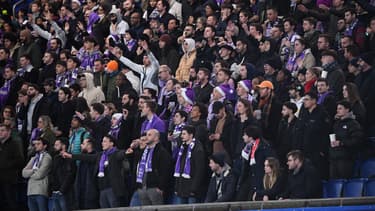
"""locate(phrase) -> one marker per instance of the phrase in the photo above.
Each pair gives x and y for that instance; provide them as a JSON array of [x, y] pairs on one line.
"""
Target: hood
[[116, 11], [191, 45], [89, 80]]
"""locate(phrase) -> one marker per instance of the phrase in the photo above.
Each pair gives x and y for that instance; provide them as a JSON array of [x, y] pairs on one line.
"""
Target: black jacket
[[312, 132], [203, 94], [255, 172], [114, 169], [65, 112], [274, 192], [62, 174], [238, 129], [201, 132], [162, 168], [11, 161], [196, 185], [349, 132], [227, 181], [366, 85], [303, 184], [286, 140]]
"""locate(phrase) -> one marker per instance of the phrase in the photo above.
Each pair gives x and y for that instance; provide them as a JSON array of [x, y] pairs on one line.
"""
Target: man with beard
[[366, 85], [86, 193], [203, 90], [61, 177], [37, 106], [66, 107], [154, 170], [28, 46], [268, 111], [326, 97]]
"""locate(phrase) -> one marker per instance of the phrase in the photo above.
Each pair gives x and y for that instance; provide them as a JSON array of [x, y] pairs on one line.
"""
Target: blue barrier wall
[[341, 208]]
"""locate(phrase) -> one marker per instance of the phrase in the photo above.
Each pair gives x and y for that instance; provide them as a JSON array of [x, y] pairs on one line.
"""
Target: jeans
[[184, 200], [37, 202], [57, 202], [135, 201]]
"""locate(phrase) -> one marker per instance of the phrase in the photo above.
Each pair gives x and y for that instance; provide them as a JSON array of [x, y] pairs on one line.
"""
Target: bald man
[[154, 170]]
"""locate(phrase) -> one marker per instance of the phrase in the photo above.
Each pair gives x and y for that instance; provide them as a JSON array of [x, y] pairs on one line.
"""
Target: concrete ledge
[[247, 205]]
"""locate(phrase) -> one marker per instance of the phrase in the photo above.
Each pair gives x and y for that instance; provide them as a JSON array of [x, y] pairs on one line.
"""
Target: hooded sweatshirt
[[186, 61], [91, 93]]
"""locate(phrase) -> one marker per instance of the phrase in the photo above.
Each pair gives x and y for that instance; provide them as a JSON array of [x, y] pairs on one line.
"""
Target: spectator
[[154, 170], [12, 83], [286, 140], [87, 194], [349, 135], [62, 79], [326, 97], [61, 177], [29, 47], [365, 83], [273, 181], [351, 94], [49, 68], [27, 71], [223, 182], [303, 180], [78, 134], [253, 156], [187, 60], [99, 124], [108, 165], [268, 110], [91, 93], [317, 129], [11, 162], [66, 107], [335, 76], [355, 28], [152, 121], [302, 58], [190, 169], [37, 170], [296, 93]]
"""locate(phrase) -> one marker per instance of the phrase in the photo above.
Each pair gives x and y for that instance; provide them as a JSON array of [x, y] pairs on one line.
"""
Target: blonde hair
[[47, 122], [270, 180]]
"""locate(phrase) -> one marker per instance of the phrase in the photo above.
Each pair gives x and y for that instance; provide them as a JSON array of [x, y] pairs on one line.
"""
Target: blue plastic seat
[[370, 187], [333, 188], [354, 187], [368, 168]]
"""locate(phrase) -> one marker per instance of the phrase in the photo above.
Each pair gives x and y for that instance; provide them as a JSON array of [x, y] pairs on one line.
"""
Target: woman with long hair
[[43, 130], [273, 181], [351, 94]]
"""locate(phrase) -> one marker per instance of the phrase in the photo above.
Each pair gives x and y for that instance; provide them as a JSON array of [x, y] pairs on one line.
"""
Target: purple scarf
[[349, 29], [145, 165], [35, 134], [37, 159], [72, 76], [104, 160], [292, 62], [114, 131], [187, 168], [174, 144], [322, 97], [62, 80], [4, 92]]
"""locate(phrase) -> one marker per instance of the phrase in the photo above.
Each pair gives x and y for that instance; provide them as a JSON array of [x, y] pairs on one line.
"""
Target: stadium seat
[[333, 188], [370, 187], [354, 187], [368, 168]]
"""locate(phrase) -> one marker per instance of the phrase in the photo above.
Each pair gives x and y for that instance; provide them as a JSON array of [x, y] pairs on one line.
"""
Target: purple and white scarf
[[145, 165], [174, 143], [292, 62], [187, 168], [104, 160], [4, 92]]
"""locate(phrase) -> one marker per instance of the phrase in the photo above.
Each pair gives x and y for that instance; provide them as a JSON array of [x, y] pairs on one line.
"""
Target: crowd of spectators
[[126, 103]]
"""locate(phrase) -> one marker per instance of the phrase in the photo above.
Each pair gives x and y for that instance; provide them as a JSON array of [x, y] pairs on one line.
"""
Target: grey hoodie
[[91, 93]]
